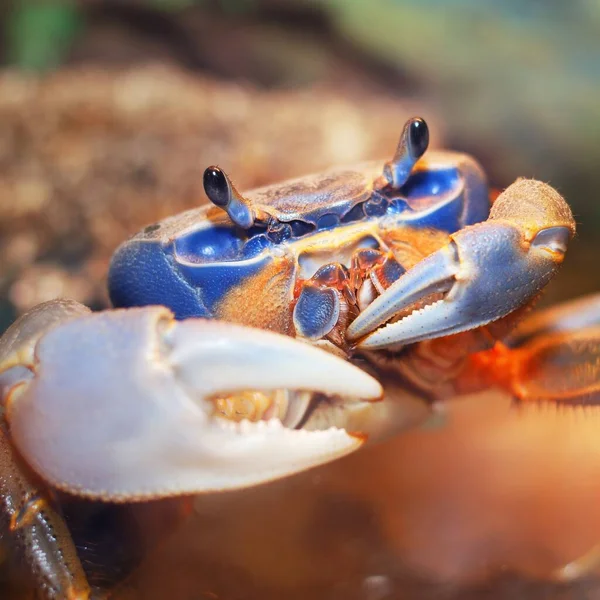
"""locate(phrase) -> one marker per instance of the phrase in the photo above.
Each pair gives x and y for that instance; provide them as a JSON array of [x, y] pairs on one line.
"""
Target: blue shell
[[192, 261]]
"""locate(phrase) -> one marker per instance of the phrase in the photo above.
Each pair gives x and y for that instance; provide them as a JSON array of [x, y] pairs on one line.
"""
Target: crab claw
[[122, 405], [487, 271]]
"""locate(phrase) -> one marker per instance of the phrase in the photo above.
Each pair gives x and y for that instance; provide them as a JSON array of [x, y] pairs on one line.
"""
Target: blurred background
[[109, 112]]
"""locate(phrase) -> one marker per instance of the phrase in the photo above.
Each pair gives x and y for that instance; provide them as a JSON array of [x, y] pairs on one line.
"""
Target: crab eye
[[412, 145], [216, 186], [222, 193], [418, 137]]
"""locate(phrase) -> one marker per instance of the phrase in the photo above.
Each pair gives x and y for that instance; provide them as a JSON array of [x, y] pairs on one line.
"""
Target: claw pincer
[[487, 271], [139, 420], [365, 259]]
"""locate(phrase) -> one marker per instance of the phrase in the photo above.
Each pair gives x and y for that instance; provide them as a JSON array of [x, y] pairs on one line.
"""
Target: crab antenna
[[412, 145], [222, 193]]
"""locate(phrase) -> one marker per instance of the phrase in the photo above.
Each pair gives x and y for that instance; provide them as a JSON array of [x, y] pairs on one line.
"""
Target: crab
[[267, 333]]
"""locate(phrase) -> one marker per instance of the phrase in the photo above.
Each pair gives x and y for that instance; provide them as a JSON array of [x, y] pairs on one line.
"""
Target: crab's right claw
[[487, 271], [124, 405]]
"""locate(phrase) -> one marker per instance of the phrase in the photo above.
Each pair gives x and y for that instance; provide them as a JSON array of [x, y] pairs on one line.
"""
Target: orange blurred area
[[487, 500]]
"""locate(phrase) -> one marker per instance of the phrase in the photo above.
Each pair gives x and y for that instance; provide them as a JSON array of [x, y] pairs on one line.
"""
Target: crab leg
[[554, 356], [487, 271], [38, 532], [120, 405], [567, 317]]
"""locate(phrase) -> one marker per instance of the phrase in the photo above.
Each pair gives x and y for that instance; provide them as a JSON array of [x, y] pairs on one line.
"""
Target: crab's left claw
[[487, 271], [127, 405]]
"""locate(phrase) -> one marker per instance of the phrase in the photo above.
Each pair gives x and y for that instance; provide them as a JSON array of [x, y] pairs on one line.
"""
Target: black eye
[[216, 186], [418, 137]]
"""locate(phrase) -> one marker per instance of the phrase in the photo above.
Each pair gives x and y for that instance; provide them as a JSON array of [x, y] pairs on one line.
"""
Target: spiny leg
[[559, 354], [28, 516], [573, 315], [37, 531], [553, 356]]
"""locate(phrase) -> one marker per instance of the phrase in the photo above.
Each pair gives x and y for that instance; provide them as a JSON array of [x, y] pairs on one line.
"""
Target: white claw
[[118, 406]]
